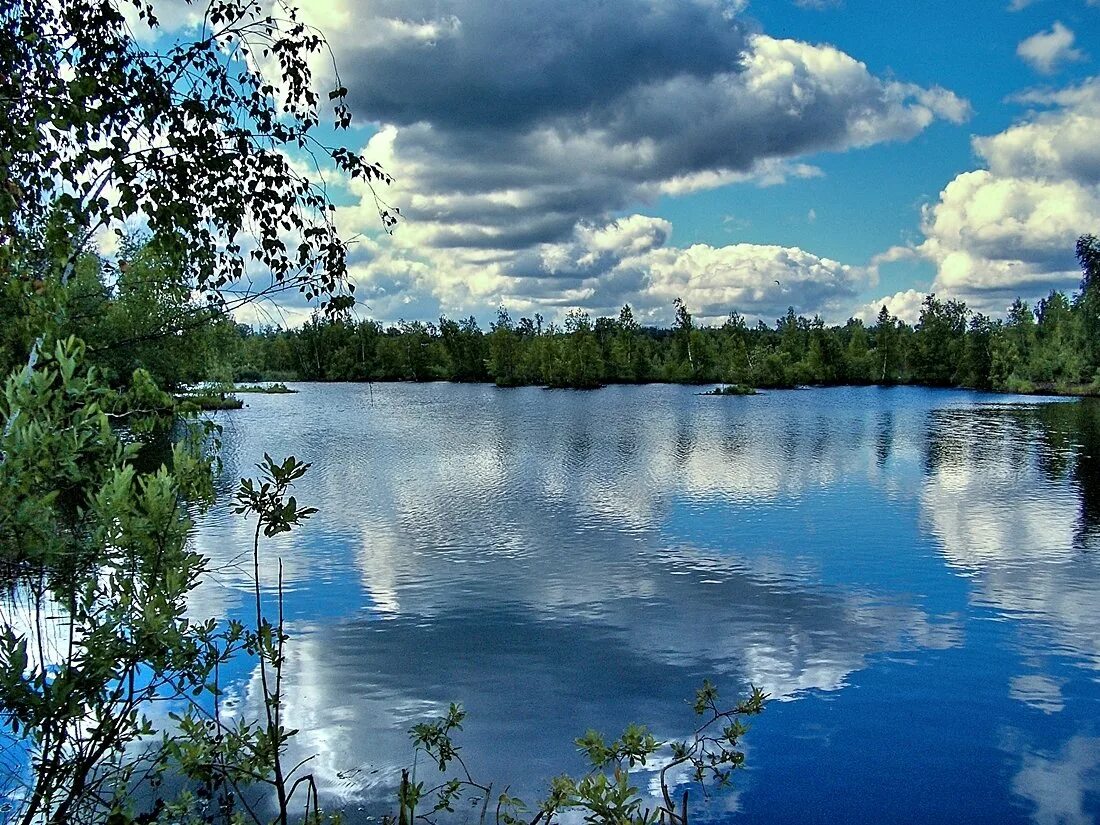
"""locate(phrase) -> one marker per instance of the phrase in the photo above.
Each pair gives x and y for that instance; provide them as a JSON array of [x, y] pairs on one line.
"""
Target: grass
[[209, 401]]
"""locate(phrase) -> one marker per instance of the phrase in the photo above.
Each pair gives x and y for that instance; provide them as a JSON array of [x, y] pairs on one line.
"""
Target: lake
[[912, 574]]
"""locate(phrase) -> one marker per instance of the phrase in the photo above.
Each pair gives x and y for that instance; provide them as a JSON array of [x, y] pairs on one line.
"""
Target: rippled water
[[912, 574]]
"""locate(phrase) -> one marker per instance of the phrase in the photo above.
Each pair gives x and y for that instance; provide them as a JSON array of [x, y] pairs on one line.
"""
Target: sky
[[747, 155]]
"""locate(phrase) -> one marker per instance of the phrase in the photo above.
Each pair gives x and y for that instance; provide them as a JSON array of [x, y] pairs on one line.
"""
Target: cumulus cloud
[[757, 280], [629, 260], [1009, 228], [1046, 51], [530, 175]]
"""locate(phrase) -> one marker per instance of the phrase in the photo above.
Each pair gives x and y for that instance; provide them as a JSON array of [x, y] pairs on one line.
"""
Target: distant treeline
[[1053, 346], [146, 317]]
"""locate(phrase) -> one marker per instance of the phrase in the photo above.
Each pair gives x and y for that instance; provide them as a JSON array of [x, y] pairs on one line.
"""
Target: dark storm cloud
[[508, 181], [480, 65]]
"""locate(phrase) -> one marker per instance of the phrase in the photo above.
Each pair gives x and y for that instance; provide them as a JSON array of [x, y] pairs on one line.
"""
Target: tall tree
[[977, 360], [504, 358], [196, 141], [886, 347], [939, 341], [683, 359], [1088, 300], [626, 349]]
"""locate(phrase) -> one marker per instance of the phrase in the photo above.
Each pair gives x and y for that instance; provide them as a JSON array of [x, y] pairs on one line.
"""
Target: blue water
[[913, 575]]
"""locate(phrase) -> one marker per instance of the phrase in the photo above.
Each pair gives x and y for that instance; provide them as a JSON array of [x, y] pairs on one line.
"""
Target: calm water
[[913, 575]]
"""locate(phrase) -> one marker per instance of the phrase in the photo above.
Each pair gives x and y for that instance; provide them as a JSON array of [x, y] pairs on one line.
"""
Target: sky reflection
[[909, 571]]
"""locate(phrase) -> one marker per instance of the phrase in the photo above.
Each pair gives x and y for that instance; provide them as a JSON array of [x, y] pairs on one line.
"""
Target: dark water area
[[913, 575]]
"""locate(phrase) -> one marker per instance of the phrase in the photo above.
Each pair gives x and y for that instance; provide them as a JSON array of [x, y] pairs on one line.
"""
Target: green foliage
[[1087, 305], [504, 359], [194, 140], [97, 550], [59, 445], [938, 341], [98, 557]]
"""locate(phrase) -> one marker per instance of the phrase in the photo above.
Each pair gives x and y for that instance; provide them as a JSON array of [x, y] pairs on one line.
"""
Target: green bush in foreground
[[602, 795]]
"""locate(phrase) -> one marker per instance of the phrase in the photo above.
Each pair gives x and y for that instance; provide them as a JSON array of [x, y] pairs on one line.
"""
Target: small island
[[277, 388], [732, 389]]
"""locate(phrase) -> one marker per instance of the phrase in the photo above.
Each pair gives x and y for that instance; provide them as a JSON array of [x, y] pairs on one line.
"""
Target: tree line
[[1051, 346], [143, 315]]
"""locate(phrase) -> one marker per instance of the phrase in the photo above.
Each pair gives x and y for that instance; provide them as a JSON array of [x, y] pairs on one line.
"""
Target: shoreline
[[1051, 391]]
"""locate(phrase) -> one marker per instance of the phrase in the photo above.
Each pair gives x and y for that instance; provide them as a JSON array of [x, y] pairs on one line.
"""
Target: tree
[[503, 351], [1010, 346], [196, 143], [977, 361], [627, 355], [152, 321], [1088, 300], [683, 359], [860, 363], [1060, 356], [465, 347], [939, 340], [823, 355], [583, 363], [733, 351], [886, 346]]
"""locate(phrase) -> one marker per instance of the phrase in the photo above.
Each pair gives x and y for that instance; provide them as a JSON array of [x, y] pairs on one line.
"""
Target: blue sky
[[833, 155], [870, 200]]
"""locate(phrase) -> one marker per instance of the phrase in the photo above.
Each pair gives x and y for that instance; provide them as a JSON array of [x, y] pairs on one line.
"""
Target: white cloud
[[1046, 51], [904, 305], [512, 136], [604, 266], [1010, 228], [508, 189], [756, 280]]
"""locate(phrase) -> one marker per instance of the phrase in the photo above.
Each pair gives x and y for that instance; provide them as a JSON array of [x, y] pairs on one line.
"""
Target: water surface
[[911, 574]]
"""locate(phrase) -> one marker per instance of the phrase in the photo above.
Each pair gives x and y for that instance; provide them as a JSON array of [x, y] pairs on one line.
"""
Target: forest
[[146, 318]]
